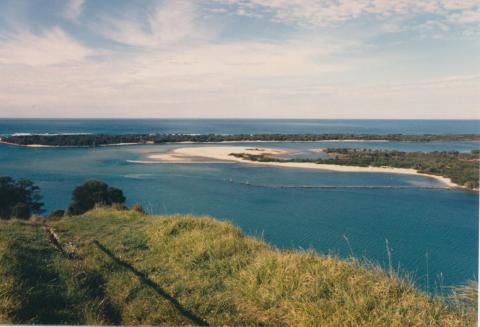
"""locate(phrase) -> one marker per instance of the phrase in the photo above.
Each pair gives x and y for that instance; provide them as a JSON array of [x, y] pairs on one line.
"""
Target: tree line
[[22, 198], [93, 140]]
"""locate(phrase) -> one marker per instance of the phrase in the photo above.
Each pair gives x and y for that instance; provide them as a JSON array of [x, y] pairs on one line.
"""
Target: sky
[[387, 59]]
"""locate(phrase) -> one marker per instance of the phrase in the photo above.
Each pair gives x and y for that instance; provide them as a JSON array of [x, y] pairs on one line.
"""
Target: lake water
[[418, 223]]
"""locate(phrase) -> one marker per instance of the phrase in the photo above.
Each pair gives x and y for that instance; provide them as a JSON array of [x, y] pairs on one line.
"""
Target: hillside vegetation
[[124, 267]]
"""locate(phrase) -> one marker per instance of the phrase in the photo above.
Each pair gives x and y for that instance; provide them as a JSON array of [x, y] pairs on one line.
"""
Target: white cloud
[[170, 22], [431, 25], [236, 79], [52, 47], [177, 68], [73, 9], [466, 17], [326, 13], [460, 4], [181, 83]]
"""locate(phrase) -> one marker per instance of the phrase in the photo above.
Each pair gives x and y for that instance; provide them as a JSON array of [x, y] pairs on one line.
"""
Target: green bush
[[93, 193]]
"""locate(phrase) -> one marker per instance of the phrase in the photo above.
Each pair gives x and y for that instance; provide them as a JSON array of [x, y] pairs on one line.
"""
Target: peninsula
[[93, 140]]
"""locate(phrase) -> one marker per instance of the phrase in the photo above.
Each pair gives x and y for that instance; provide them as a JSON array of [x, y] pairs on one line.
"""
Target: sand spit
[[222, 153], [204, 154]]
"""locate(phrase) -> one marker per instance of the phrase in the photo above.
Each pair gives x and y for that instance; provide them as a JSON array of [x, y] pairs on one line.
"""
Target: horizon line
[[225, 118]]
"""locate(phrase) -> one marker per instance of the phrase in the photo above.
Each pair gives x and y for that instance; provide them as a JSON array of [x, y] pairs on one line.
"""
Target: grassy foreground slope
[[122, 267]]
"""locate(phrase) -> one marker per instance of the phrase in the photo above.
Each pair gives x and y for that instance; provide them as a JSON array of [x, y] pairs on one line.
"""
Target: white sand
[[360, 141], [40, 146], [120, 144], [219, 153], [222, 153]]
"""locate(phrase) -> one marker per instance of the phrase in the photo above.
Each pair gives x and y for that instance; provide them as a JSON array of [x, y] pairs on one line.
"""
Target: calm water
[[225, 126], [416, 222]]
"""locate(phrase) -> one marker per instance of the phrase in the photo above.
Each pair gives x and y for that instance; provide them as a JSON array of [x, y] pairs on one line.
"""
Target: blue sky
[[240, 58]]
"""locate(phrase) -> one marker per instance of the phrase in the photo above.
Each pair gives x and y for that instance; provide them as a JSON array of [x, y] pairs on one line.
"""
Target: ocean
[[237, 126], [433, 227]]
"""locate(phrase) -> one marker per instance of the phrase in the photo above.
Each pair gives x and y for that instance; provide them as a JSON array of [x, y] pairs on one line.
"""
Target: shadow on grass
[[43, 298], [45, 289], [145, 280]]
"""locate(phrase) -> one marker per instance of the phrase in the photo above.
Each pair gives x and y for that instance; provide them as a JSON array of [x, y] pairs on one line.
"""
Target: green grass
[[122, 267]]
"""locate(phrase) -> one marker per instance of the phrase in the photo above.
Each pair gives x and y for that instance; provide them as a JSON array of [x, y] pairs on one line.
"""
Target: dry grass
[[123, 267]]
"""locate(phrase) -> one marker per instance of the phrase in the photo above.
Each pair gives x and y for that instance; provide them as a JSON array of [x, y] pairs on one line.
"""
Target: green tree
[[91, 193], [19, 198], [21, 211]]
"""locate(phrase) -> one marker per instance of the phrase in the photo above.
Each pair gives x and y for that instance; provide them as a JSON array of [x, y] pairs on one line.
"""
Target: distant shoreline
[[190, 142], [94, 140], [69, 146], [43, 146], [214, 142]]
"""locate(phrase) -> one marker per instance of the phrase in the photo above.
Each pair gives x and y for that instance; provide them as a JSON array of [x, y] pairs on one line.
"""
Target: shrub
[[19, 198], [138, 208], [92, 193]]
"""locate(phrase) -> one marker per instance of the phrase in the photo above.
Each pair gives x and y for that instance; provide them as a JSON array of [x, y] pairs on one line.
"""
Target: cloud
[[327, 13], [433, 25], [170, 22], [297, 78], [177, 66], [52, 47], [466, 17], [459, 4], [168, 99], [155, 82], [73, 9]]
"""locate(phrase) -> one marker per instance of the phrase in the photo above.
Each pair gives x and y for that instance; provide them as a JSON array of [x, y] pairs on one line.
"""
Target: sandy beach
[[222, 154], [218, 153]]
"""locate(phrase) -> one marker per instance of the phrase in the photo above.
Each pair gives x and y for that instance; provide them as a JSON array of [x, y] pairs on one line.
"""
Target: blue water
[[229, 126], [416, 221]]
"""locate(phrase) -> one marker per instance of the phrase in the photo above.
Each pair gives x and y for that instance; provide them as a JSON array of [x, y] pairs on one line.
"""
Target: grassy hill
[[123, 267]]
